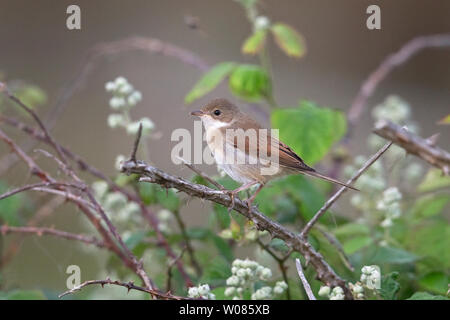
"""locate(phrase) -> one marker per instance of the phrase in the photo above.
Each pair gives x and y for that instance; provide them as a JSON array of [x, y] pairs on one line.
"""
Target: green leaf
[[250, 82], [219, 292], [425, 296], [209, 81], [147, 192], [255, 42], [392, 255], [389, 286], [9, 207], [351, 229], [32, 96], [430, 205], [310, 130], [445, 120], [168, 199], [434, 180], [198, 233], [436, 282], [23, 295], [134, 239], [354, 244], [432, 240], [289, 40], [216, 272], [223, 247], [279, 245]]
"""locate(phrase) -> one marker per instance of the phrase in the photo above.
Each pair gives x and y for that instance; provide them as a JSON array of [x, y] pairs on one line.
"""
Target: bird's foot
[[232, 195]]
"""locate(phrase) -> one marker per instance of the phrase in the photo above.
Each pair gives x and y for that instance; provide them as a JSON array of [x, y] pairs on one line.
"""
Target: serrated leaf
[[209, 81], [389, 286], [255, 42], [249, 82], [425, 296], [436, 282], [309, 130], [289, 40]]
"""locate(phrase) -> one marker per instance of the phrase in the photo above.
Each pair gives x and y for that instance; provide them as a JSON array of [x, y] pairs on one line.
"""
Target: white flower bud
[[133, 128], [386, 223], [230, 291], [233, 281], [262, 22], [100, 188], [116, 103], [119, 160], [115, 120], [337, 290], [392, 194], [110, 86], [164, 215], [203, 290], [147, 124], [125, 89], [120, 81], [324, 291], [193, 292], [266, 274], [241, 273]]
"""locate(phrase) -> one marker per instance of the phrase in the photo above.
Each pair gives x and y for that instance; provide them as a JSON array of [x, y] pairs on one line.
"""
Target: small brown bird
[[247, 152]]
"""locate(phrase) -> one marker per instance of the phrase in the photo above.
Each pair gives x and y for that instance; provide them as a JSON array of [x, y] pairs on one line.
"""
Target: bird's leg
[[252, 198], [233, 193]]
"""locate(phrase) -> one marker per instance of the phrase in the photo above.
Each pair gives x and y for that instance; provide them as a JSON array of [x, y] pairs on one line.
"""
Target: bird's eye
[[217, 112]]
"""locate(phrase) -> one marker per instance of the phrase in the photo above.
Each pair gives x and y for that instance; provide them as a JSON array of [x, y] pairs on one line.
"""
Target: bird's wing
[[252, 140]]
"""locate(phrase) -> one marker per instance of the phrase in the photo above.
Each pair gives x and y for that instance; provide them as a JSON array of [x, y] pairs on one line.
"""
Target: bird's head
[[218, 112]]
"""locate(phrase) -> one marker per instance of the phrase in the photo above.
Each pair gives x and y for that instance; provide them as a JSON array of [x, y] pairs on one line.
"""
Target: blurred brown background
[[37, 47]]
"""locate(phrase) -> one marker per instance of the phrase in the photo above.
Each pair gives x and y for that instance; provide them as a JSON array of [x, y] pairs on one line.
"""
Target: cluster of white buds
[[389, 205], [245, 273], [398, 111], [124, 94], [336, 294], [202, 291], [371, 277], [124, 98], [372, 180], [394, 109], [115, 204], [357, 290], [164, 217]]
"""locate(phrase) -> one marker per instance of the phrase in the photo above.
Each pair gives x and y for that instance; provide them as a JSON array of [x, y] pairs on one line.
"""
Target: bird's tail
[[321, 176]]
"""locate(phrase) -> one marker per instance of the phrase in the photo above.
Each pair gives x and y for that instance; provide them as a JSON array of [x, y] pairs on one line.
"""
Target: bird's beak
[[197, 113]]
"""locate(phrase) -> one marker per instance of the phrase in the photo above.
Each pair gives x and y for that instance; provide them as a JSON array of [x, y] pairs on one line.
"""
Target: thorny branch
[[129, 285], [83, 165], [281, 264], [298, 243], [305, 283], [120, 249], [336, 196], [413, 144], [388, 65]]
